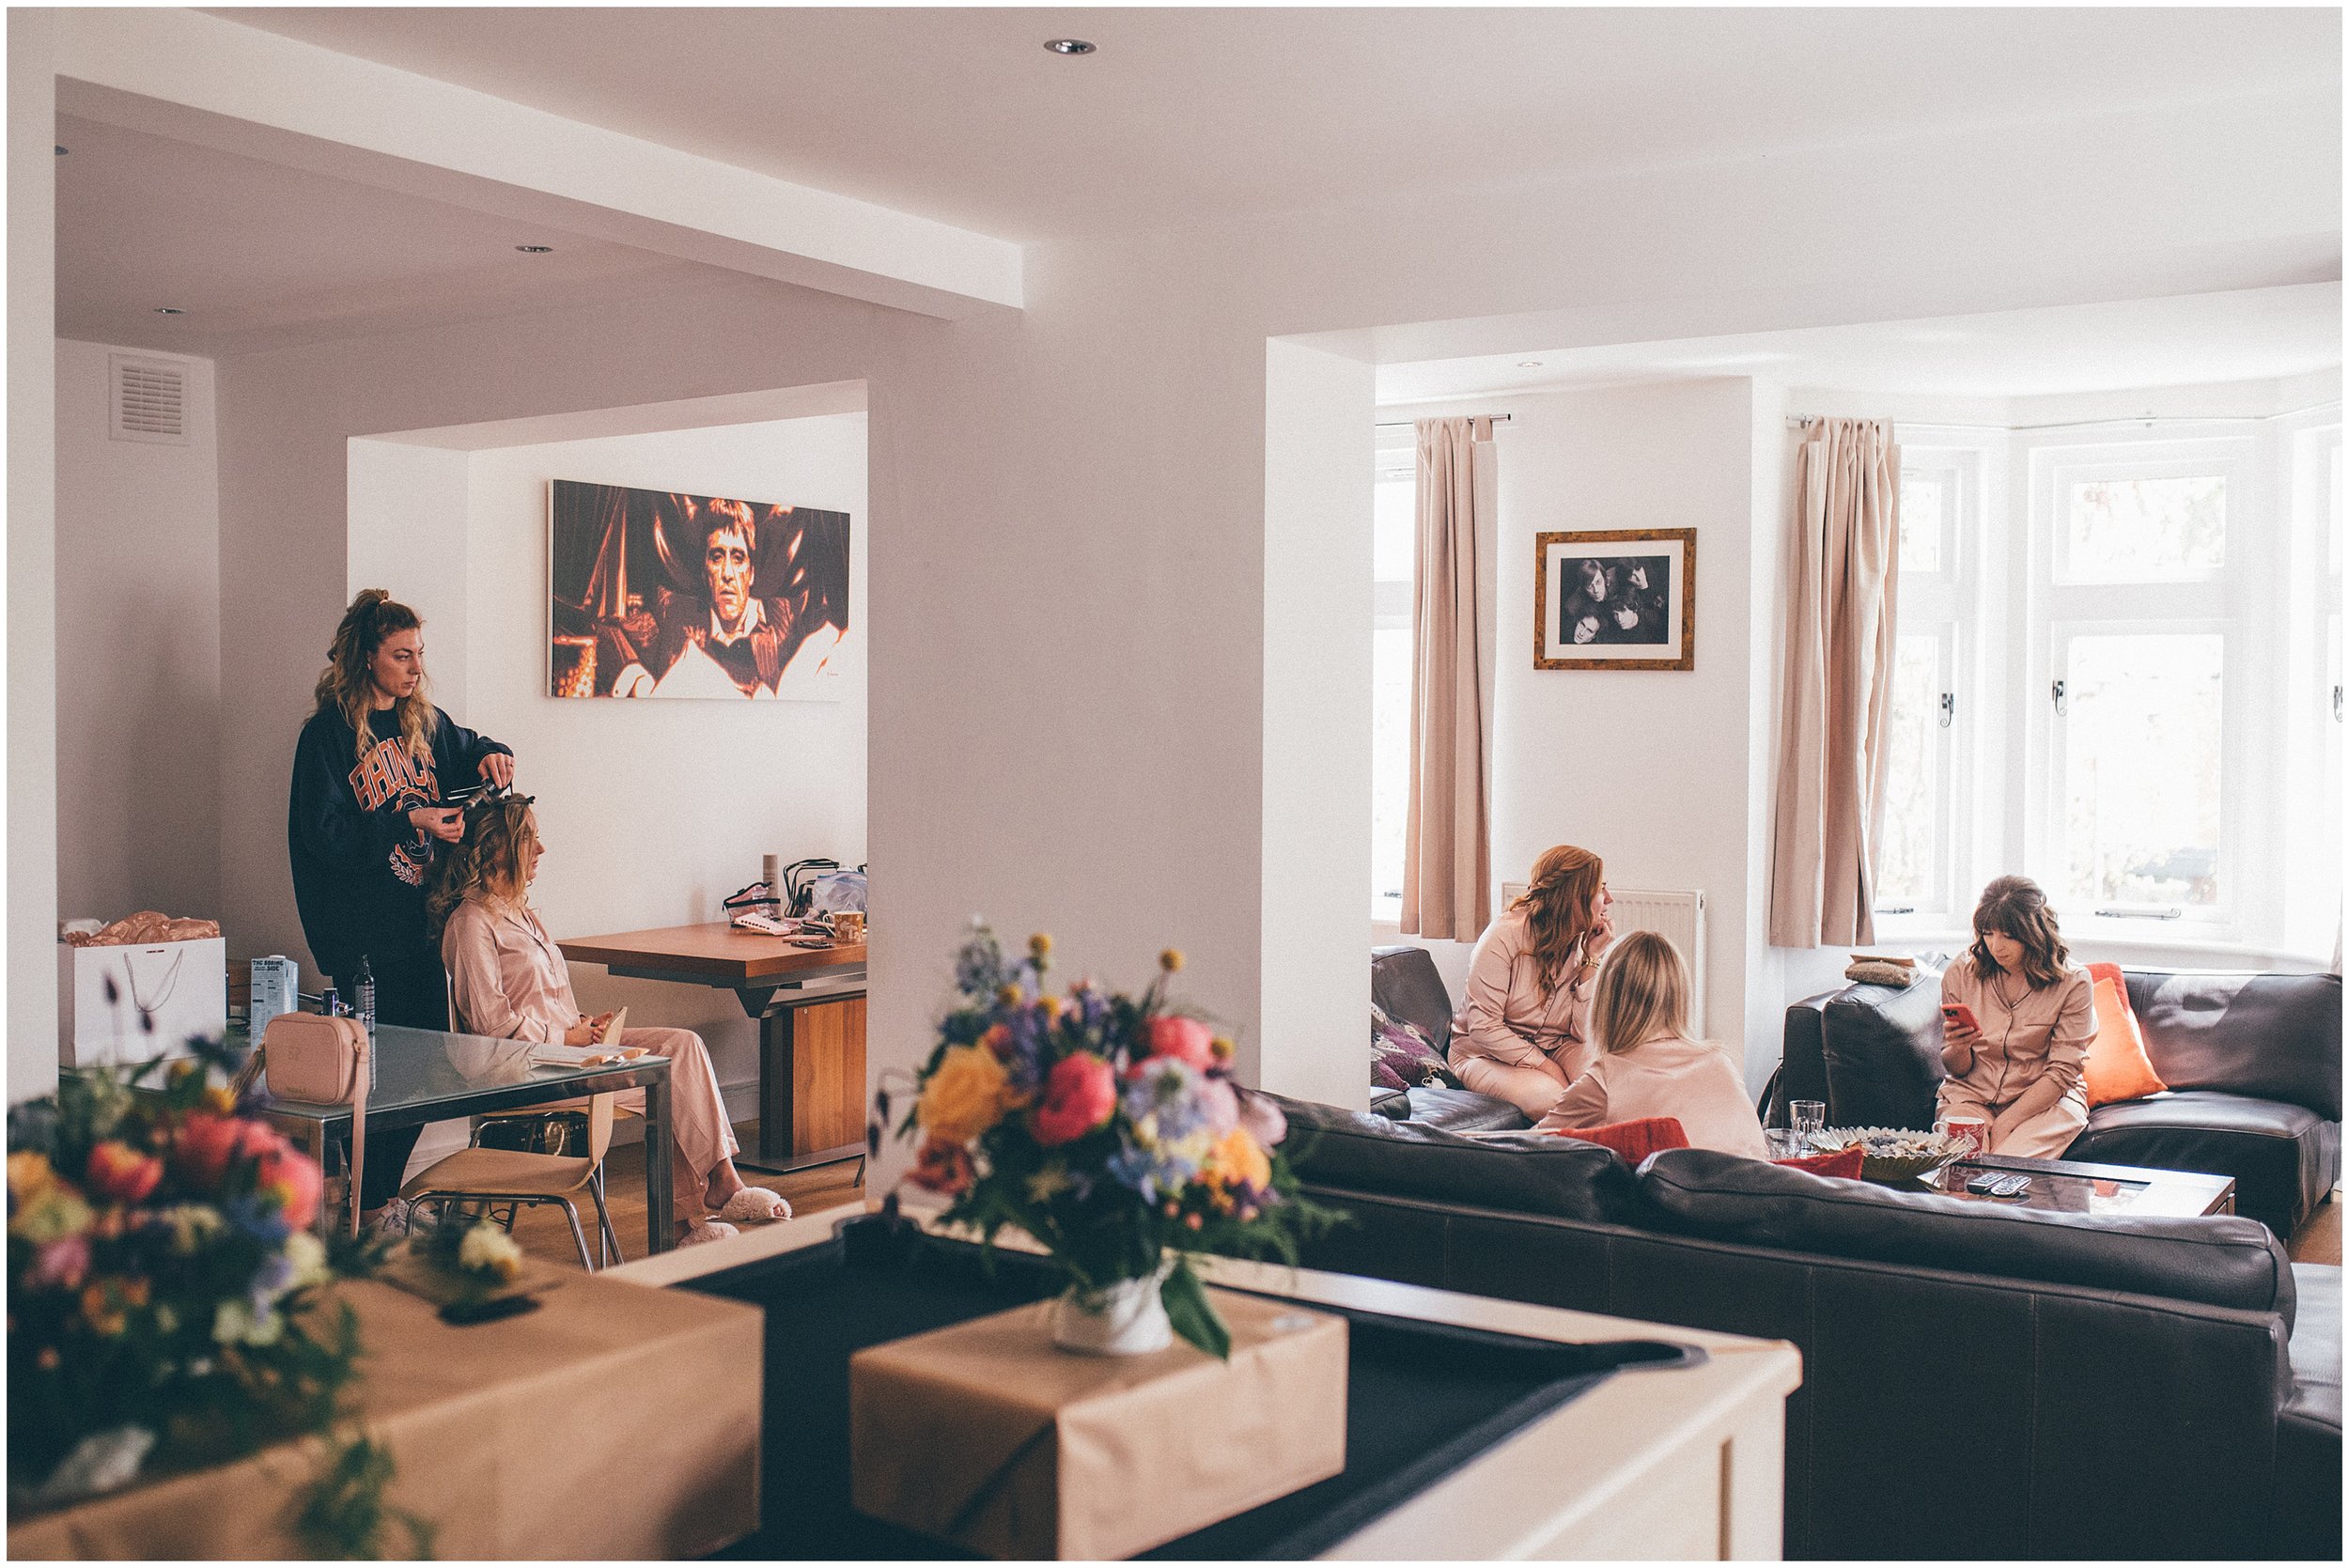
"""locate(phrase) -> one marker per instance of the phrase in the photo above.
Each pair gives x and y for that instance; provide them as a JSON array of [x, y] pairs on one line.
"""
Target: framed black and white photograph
[[1615, 599], [660, 594]]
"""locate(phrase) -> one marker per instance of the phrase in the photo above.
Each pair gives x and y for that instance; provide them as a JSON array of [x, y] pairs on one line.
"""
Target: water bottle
[[365, 983]]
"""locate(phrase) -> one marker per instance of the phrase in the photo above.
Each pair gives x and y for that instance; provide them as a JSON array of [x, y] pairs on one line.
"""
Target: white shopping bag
[[163, 994]]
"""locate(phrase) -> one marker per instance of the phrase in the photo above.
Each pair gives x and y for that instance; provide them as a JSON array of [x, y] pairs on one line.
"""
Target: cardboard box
[[986, 1436], [165, 992]]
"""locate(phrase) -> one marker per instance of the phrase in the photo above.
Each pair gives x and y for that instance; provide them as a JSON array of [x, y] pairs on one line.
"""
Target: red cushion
[[1846, 1162], [1633, 1140]]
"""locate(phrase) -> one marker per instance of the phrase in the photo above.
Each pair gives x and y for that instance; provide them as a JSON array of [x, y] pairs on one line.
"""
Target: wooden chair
[[494, 1176]]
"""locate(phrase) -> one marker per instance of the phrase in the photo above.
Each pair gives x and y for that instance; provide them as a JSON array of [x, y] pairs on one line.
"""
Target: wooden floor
[[544, 1233], [2319, 1240]]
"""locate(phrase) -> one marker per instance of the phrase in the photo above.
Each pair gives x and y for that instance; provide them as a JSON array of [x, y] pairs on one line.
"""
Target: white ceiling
[[2251, 334], [1187, 116], [260, 256]]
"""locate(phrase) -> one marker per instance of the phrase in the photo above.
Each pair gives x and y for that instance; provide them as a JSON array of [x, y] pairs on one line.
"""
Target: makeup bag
[[322, 1061]]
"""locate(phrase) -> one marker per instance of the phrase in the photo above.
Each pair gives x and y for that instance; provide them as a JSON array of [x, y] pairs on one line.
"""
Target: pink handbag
[[322, 1061]]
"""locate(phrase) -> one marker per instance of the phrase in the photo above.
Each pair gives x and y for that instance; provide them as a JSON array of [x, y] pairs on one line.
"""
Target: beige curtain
[[1843, 570], [1447, 857]]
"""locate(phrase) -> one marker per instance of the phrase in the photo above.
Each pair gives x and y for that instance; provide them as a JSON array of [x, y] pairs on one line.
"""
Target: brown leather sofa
[[2252, 1061], [2001, 1385]]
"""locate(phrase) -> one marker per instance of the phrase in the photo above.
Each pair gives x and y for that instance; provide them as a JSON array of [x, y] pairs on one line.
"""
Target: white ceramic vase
[[1124, 1318]]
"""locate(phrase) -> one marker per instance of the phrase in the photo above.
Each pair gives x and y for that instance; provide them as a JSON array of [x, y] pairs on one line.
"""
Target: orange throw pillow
[[1844, 1162], [1633, 1140], [2117, 1068]]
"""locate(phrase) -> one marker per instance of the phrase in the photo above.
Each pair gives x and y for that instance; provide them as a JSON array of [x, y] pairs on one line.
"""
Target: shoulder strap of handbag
[[359, 1124]]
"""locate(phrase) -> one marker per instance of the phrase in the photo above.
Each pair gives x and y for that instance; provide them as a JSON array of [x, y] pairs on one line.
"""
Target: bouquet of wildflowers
[[160, 1262], [1105, 1127]]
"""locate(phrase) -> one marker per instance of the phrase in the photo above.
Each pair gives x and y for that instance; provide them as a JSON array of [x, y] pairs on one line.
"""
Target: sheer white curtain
[[1447, 854], [1836, 703]]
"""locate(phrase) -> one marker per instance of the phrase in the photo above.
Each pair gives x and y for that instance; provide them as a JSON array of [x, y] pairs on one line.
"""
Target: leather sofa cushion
[[2284, 1157], [1404, 981], [2221, 1260], [2271, 1036], [1524, 1172], [1802, 1068], [1882, 1047], [1462, 1110], [2307, 1435]]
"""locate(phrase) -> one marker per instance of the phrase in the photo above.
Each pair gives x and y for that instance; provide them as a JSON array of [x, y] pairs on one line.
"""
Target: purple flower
[[1171, 1091]]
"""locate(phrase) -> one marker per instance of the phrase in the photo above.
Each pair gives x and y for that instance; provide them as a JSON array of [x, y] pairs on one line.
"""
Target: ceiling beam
[[236, 89]]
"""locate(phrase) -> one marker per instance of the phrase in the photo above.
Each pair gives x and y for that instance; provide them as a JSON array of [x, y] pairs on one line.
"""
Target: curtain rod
[[1400, 423], [1795, 421]]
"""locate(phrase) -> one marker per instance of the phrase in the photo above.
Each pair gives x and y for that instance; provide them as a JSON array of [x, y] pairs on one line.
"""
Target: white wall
[[653, 812], [1651, 768], [32, 555], [138, 646]]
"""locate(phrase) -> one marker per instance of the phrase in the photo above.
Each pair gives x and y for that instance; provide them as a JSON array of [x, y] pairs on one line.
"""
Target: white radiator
[[1677, 917]]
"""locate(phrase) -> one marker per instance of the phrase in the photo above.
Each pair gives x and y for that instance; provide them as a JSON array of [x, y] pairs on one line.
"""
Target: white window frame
[[1395, 456], [2241, 600], [1945, 604]]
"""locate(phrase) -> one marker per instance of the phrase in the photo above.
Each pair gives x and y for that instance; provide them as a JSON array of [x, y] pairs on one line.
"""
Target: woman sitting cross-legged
[[510, 981], [2017, 1019], [1648, 1066], [1520, 1034]]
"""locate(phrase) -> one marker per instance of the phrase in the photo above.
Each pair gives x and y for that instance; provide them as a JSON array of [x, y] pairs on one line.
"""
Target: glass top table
[[426, 1075], [2076, 1187]]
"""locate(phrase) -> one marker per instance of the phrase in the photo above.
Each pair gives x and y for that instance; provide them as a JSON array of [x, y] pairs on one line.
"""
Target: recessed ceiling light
[[1069, 46], [169, 310], [534, 250], [1529, 365]]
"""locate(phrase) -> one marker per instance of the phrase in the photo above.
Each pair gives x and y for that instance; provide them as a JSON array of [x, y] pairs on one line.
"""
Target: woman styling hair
[[510, 981], [1647, 1064], [362, 824], [2017, 1020], [1521, 1036]]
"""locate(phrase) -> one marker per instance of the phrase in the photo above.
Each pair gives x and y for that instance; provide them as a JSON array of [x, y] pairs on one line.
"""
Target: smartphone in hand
[[1956, 1013]]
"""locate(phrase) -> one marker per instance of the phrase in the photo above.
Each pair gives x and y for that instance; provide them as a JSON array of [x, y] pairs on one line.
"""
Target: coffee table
[[2074, 1186]]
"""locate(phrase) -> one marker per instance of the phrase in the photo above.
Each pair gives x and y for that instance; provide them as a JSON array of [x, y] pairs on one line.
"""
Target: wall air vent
[[148, 399]]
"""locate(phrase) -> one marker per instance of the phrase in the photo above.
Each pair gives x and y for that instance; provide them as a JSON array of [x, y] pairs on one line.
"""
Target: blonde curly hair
[[489, 863]]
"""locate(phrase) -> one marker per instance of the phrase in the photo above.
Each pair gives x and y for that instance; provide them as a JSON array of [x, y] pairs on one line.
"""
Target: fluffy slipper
[[755, 1203], [706, 1230]]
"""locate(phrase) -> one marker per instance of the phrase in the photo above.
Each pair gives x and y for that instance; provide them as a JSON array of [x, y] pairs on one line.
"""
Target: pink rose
[[62, 1263], [1263, 1119], [1079, 1096], [208, 1143], [1187, 1040], [120, 1172], [296, 1179]]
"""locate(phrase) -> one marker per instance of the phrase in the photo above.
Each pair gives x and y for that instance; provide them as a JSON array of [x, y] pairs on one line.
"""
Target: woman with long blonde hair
[[510, 981], [1648, 1065], [364, 822], [1521, 1034]]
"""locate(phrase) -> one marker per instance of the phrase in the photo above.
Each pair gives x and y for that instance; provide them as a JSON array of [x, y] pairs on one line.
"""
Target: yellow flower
[[1040, 947], [1009, 995], [1238, 1160], [1224, 1050], [488, 1249], [1052, 1006], [29, 1175], [1171, 961], [966, 1095], [221, 1100]]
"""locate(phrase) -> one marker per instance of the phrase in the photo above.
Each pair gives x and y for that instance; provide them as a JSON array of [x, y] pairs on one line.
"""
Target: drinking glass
[[1809, 1118], [1784, 1142]]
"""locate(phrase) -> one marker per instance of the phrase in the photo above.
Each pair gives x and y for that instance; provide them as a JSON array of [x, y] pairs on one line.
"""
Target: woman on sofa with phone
[[2016, 1019], [1523, 1032], [1648, 1065], [510, 981]]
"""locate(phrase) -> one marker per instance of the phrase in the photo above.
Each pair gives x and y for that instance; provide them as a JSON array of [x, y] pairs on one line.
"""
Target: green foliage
[[343, 1516]]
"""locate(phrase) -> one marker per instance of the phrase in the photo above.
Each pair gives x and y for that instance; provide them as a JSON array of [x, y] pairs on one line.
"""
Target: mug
[[1973, 1129], [847, 926]]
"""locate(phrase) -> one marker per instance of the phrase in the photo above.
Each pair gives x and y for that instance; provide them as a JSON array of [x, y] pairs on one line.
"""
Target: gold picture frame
[[1615, 599]]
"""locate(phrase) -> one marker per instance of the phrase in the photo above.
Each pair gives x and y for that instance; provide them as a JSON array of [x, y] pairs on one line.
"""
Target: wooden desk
[[615, 1421], [811, 1043]]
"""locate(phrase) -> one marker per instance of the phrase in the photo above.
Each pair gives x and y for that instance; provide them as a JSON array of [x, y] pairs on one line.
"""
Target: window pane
[[1390, 758], [1924, 509], [2141, 754], [2128, 529], [1393, 522], [1912, 778]]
